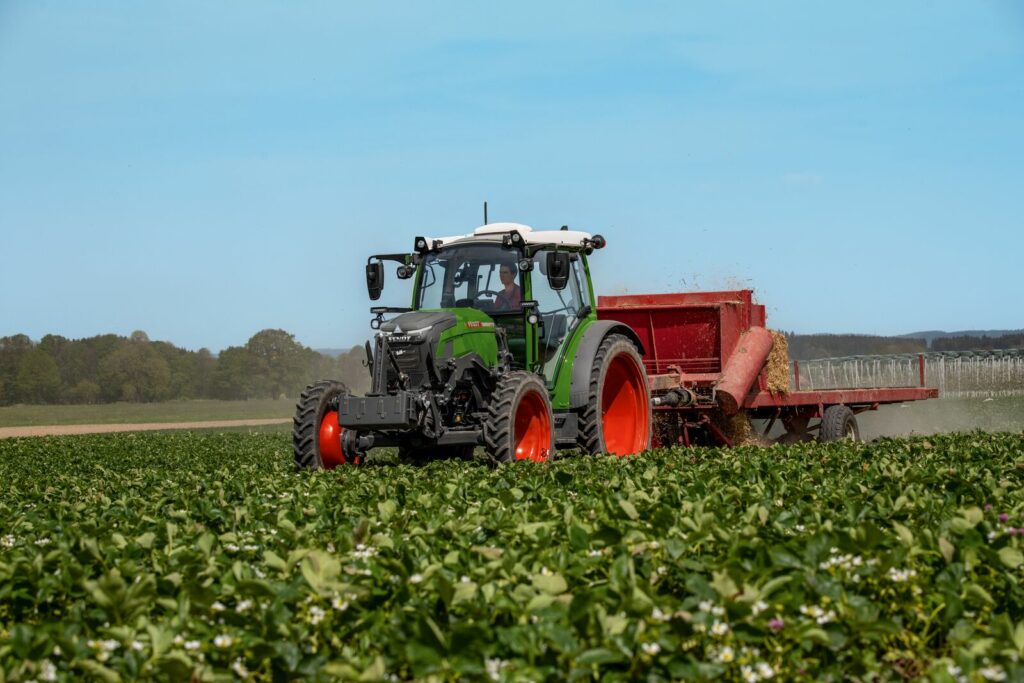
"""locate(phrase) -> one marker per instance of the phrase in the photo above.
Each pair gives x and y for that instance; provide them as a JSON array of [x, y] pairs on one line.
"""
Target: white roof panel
[[494, 231]]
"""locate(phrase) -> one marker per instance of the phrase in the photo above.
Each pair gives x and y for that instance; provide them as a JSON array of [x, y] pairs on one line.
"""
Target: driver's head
[[508, 273]]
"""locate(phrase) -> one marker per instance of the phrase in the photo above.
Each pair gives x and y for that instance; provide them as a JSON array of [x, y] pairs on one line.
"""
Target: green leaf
[[320, 569], [552, 584], [947, 549], [628, 508], [1011, 557], [978, 595], [723, 584], [99, 671], [904, 534]]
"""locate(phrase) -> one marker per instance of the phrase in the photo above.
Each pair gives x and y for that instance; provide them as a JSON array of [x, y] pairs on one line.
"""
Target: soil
[[65, 430]]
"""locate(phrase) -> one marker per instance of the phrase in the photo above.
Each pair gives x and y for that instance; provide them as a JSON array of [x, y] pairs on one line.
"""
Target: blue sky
[[203, 170]]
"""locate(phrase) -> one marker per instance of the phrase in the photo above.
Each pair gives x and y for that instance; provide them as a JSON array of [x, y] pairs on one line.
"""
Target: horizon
[[203, 172]]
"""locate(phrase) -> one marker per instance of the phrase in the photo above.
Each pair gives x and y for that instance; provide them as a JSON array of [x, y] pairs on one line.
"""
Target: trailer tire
[[316, 436], [617, 417], [520, 422], [838, 424]]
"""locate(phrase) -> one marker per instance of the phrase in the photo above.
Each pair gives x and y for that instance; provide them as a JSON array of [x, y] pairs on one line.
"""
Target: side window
[[580, 277], [550, 301]]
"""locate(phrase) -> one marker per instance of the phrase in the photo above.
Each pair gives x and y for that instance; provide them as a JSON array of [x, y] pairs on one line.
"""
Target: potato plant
[[178, 556]]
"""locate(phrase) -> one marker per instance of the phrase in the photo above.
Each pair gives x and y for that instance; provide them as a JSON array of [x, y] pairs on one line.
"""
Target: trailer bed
[[851, 397]]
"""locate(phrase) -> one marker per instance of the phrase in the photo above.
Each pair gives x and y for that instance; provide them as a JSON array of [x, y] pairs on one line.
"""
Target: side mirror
[[557, 269], [374, 279]]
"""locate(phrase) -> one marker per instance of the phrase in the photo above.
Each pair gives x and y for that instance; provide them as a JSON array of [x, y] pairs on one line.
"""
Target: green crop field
[[170, 556], [166, 411]]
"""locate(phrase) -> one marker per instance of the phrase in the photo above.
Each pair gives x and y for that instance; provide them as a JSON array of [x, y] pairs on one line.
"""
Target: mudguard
[[579, 390]]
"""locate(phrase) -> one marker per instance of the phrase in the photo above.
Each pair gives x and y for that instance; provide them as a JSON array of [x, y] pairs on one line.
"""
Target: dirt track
[[63, 430]]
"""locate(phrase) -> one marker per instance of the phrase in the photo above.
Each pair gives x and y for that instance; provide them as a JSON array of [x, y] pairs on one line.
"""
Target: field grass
[[181, 555], [168, 411]]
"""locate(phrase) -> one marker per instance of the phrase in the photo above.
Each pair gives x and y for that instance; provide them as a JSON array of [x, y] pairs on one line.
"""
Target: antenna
[[485, 213]]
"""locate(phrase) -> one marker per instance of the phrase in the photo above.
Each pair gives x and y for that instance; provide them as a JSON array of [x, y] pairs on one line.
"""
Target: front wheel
[[316, 435], [520, 424], [617, 417]]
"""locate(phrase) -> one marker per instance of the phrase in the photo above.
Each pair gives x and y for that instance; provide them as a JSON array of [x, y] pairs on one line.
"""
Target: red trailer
[[705, 356]]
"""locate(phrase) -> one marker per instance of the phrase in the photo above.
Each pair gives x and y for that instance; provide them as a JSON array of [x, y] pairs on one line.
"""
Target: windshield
[[482, 276]]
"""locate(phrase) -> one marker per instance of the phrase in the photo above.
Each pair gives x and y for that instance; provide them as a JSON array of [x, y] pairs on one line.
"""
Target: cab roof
[[493, 232]]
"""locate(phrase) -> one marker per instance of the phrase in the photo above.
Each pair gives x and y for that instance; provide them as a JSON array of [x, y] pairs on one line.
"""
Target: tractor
[[501, 350]]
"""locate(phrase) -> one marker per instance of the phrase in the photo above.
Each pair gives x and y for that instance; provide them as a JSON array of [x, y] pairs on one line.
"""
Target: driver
[[511, 297]]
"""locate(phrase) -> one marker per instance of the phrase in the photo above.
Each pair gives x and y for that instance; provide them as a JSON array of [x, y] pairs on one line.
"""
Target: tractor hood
[[420, 323]]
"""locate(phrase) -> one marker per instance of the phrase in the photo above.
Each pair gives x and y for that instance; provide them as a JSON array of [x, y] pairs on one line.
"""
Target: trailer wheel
[[617, 417], [519, 424], [838, 424], [316, 435]]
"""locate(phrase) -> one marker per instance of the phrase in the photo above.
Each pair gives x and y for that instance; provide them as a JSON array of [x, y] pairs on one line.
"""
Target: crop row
[[170, 556]]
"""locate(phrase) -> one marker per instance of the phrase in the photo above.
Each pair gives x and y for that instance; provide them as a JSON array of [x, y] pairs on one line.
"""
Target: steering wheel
[[479, 297]]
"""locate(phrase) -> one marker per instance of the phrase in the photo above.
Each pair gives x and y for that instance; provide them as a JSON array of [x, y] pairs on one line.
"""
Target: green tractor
[[501, 349]]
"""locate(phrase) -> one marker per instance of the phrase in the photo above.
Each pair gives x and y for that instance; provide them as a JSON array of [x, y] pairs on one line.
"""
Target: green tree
[[235, 374], [280, 362], [38, 379], [134, 372]]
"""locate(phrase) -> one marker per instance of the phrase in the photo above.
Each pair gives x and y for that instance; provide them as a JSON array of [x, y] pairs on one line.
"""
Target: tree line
[[808, 346], [109, 368]]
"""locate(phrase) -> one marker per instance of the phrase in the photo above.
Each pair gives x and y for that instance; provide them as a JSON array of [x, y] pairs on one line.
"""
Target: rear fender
[[596, 332]]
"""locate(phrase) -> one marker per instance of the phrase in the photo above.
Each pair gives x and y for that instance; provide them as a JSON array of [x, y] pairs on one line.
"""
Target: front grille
[[411, 362]]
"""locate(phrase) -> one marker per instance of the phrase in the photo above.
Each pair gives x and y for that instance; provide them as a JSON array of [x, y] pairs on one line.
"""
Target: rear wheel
[[617, 417], [838, 424], [519, 425], [316, 435]]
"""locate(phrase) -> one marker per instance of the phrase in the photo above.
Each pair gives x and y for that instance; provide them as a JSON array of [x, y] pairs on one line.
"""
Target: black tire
[[590, 437], [838, 424], [313, 404], [506, 402]]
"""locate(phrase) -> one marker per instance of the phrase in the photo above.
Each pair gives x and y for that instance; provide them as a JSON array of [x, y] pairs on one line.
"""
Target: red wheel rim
[[533, 428], [624, 416], [329, 442]]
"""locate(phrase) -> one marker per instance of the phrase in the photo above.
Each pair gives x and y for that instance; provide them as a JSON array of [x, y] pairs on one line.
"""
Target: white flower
[[718, 610], [250, 547], [651, 648], [464, 579], [243, 606], [719, 628], [138, 646], [259, 573], [8, 541], [47, 671], [316, 615], [415, 578], [758, 607], [826, 618], [991, 536], [57, 652], [748, 675], [778, 502], [765, 670], [191, 645], [494, 667], [655, 545], [800, 528], [222, 641], [231, 548], [901, 575], [238, 666], [594, 553], [179, 640], [658, 615], [218, 606], [662, 570], [545, 571], [43, 541], [993, 673], [339, 604], [705, 605], [726, 655]]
